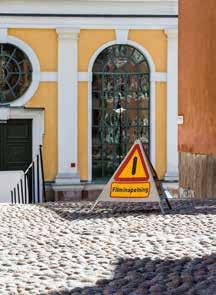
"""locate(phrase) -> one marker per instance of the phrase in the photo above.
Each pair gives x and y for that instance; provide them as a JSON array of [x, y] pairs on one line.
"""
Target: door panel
[[16, 144]]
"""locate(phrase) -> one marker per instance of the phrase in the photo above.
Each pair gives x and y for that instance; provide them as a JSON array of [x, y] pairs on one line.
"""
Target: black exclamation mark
[[134, 166]]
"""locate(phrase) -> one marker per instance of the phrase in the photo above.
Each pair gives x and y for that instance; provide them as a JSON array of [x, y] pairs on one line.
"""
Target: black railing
[[31, 187]]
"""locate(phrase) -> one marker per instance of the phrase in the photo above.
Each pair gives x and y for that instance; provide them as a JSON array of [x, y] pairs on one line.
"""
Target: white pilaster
[[122, 36], [67, 106], [172, 104], [3, 35]]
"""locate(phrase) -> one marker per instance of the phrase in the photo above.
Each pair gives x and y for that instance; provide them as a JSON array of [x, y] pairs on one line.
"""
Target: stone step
[[90, 192]]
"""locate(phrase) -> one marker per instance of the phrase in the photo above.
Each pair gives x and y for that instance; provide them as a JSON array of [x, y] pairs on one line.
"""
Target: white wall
[[8, 179]]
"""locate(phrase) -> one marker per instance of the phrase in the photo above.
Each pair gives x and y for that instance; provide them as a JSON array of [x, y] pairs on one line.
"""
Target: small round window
[[15, 73]]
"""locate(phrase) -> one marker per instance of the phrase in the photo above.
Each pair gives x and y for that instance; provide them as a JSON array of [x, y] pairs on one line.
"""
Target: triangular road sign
[[133, 168], [133, 181]]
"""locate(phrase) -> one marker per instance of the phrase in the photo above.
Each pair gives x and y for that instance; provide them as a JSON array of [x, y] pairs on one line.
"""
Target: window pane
[[120, 93], [15, 73], [121, 59]]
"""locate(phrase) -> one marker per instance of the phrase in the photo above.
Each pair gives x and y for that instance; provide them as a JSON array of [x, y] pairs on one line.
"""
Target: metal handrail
[[34, 183]]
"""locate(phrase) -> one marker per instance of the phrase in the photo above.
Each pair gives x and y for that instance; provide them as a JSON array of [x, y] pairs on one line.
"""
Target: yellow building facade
[[62, 50]]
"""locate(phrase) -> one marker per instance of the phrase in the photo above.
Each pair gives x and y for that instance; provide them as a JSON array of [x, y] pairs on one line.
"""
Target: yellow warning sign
[[133, 167], [133, 180], [130, 190]]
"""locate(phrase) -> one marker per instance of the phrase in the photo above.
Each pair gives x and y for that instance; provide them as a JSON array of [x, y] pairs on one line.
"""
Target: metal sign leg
[[161, 207], [94, 205]]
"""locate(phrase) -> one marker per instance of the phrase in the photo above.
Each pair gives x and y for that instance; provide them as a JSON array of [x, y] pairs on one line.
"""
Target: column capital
[[171, 33], [68, 33], [122, 35]]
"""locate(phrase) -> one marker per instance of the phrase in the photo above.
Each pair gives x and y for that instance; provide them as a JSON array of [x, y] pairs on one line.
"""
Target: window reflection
[[15, 73], [120, 78]]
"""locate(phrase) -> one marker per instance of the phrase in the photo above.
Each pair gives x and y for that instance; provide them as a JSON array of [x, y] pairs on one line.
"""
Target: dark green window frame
[[120, 107], [15, 73]]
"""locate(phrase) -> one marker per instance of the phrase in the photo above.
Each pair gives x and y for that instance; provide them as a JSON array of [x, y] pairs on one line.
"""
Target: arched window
[[121, 106], [15, 73]]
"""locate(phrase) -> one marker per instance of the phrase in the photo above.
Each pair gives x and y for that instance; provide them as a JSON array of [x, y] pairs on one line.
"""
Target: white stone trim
[[151, 7], [37, 117], [129, 42], [156, 77], [138, 23], [48, 76], [68, 33], [84, 77], [3, 35], [159, 77], [67, 106], [122, 36], [35, 69], [4, 113], [152, 99], [172, 105]]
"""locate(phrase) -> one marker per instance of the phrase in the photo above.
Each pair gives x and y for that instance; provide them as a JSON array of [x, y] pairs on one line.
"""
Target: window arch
[[121, 59], [15, 73], [35, 69], [120, 106]]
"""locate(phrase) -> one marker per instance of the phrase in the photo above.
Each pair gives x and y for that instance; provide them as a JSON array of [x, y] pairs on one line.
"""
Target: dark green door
[[15, 144]]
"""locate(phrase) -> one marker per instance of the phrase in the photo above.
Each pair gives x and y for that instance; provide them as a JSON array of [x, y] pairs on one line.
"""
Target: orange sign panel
[[133, 181], [130, 190], [133, 168]]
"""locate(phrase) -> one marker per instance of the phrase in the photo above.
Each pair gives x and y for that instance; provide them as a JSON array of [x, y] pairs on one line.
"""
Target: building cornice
[[89, 23], [89, 7]]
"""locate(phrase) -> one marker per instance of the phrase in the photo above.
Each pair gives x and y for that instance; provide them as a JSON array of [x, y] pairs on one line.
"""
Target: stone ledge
[[75, 192], [88, 191]]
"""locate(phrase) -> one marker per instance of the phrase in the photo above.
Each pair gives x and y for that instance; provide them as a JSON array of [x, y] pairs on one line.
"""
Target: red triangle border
[[125, 162]]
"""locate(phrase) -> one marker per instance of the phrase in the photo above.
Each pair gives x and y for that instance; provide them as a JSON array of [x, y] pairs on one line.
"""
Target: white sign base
[[133, 181]]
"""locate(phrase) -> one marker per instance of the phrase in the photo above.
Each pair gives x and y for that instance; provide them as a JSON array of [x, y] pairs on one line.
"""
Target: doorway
[[15, 144]]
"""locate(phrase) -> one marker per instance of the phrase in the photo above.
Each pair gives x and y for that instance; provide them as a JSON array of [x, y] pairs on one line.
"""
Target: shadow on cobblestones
[[68, 210], [155, 277], [116, 249]]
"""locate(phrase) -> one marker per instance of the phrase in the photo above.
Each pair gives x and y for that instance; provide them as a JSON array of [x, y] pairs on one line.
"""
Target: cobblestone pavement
[[60, 248]]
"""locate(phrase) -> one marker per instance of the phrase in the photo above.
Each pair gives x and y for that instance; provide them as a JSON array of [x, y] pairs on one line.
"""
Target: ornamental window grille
[[15, 73], [120, 107]]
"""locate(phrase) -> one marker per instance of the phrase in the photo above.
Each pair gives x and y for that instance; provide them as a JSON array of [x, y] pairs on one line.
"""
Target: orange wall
[[83, 130], [46, 97], [43, 42], [155, 42], [89, 42], [197, 76]]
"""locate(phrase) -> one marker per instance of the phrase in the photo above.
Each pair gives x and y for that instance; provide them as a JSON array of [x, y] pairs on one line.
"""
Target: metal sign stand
[[160, 189], [156, 192]]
